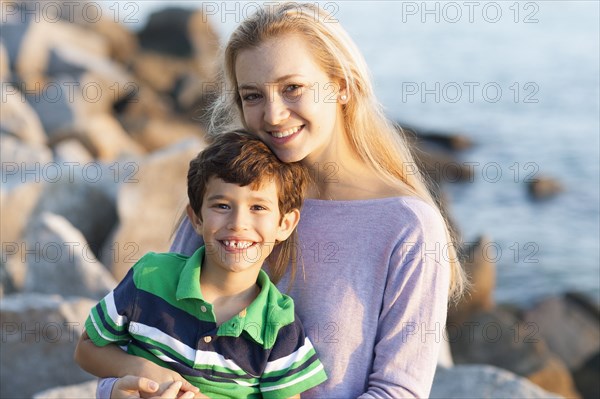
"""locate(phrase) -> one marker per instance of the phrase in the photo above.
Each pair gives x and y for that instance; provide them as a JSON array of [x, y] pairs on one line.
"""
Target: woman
[[379, 262]]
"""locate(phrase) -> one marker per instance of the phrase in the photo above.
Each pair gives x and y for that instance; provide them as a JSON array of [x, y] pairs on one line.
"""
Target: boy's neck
[[229, 293]]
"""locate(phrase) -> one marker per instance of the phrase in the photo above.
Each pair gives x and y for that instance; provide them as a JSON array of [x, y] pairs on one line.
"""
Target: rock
[[544, 187], [16, 207], [497, 338], [483, 382], [178, 45], [21, 162], [481, 270], [569, 326], [155, 200], [72, 150], [447, 140], [442, 167], [77, 391], [39, 335], [586, 378], [59, 261], [19, 118], [109, 140], [160, 133], [34, 43], [83, 194], [555, 377]]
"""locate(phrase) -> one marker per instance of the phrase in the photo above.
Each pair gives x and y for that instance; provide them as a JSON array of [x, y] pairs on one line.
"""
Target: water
[[533, 68]]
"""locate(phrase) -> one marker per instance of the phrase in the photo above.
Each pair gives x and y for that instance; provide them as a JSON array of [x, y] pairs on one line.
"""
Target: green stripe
[[293, 377], [298, 363], [299, 387], [95, 336]]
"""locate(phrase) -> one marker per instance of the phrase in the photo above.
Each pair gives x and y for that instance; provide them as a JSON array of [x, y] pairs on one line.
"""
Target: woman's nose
[[276, 110]]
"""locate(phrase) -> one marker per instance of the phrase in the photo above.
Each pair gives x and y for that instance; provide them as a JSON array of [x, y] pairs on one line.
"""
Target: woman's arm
[[413, 314]]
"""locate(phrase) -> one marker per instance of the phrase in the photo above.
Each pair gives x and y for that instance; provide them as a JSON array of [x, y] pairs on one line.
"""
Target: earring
[[343, 97]]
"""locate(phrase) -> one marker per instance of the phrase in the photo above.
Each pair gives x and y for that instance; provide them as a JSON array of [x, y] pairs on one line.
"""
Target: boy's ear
[[289, 221], [194, 219]]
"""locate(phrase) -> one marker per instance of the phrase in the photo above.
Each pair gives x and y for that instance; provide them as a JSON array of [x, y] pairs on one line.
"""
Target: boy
[[215, 318]]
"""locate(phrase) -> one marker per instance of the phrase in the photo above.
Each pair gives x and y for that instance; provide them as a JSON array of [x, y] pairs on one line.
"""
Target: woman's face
[[289, 101]]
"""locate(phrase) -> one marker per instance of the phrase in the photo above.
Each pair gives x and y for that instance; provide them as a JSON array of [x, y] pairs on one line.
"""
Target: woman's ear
[[343, 96], [289, 221], [194, 219]]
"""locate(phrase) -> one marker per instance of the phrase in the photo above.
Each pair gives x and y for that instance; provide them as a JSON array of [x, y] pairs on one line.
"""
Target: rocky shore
[[98, 126]]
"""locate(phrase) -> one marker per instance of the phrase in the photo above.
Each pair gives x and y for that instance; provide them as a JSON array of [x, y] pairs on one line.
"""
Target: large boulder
[[497, 337], [483, 382], [148, 208], [59, 261], [586, 377], [39, 335], [85, 196], [569, 325]]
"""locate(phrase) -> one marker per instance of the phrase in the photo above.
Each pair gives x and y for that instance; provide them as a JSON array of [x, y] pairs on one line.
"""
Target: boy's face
[[240, 226]]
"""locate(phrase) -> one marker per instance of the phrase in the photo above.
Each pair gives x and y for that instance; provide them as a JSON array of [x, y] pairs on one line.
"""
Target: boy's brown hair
[[240, 158]]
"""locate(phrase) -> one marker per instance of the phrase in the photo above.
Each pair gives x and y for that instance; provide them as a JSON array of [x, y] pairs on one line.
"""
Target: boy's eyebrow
[[224, 197], [248, 86]]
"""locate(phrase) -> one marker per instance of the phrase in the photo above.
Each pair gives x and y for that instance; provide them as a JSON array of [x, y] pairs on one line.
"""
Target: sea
[[521, 79]]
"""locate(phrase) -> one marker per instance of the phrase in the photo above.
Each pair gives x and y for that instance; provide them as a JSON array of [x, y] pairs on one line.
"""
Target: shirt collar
[[189, 279]]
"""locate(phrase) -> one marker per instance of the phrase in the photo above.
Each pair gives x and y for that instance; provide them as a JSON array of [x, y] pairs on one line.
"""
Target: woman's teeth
[[286, 133]]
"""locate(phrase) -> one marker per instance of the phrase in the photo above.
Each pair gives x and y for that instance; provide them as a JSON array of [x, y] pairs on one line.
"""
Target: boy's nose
[[238, 221]]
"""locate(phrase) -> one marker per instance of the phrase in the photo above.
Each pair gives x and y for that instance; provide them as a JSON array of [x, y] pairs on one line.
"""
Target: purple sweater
[[373, 296]]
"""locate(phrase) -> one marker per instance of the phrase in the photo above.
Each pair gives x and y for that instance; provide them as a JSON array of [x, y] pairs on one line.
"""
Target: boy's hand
[[130, 387]]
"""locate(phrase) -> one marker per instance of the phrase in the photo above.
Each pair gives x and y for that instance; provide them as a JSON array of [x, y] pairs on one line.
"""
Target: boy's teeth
[[237, 244], [286, 133]]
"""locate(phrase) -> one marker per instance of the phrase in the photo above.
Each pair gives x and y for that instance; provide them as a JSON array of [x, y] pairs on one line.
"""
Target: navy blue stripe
[[291, 372], [152, 310], [246, 353], [186, 370], [290, 338], [106, 324]]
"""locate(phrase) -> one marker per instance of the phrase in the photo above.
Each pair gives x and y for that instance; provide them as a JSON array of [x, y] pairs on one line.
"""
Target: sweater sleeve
[[413, 313], [105, 386], [186, 241]]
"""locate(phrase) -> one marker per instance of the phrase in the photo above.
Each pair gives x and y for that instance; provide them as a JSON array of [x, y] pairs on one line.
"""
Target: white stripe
[[287, 384], [191, 354], [98, 328], [111, 308], [287, 361]]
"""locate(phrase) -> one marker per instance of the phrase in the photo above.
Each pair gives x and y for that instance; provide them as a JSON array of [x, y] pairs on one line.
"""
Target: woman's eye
[[292, 91], [251, 97]]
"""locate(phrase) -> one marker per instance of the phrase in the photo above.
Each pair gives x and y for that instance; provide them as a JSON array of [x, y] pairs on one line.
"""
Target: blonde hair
[[371, 135]]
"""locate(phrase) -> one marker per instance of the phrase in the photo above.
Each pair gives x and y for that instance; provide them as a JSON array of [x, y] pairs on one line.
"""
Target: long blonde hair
[[372, 136]]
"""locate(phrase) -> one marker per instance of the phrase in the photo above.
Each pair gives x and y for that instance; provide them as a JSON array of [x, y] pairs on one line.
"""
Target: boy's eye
[[258, 208], [221, 206]]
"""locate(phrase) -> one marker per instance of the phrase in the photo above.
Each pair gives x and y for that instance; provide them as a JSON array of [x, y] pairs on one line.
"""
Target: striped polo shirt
[[158, 312]]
